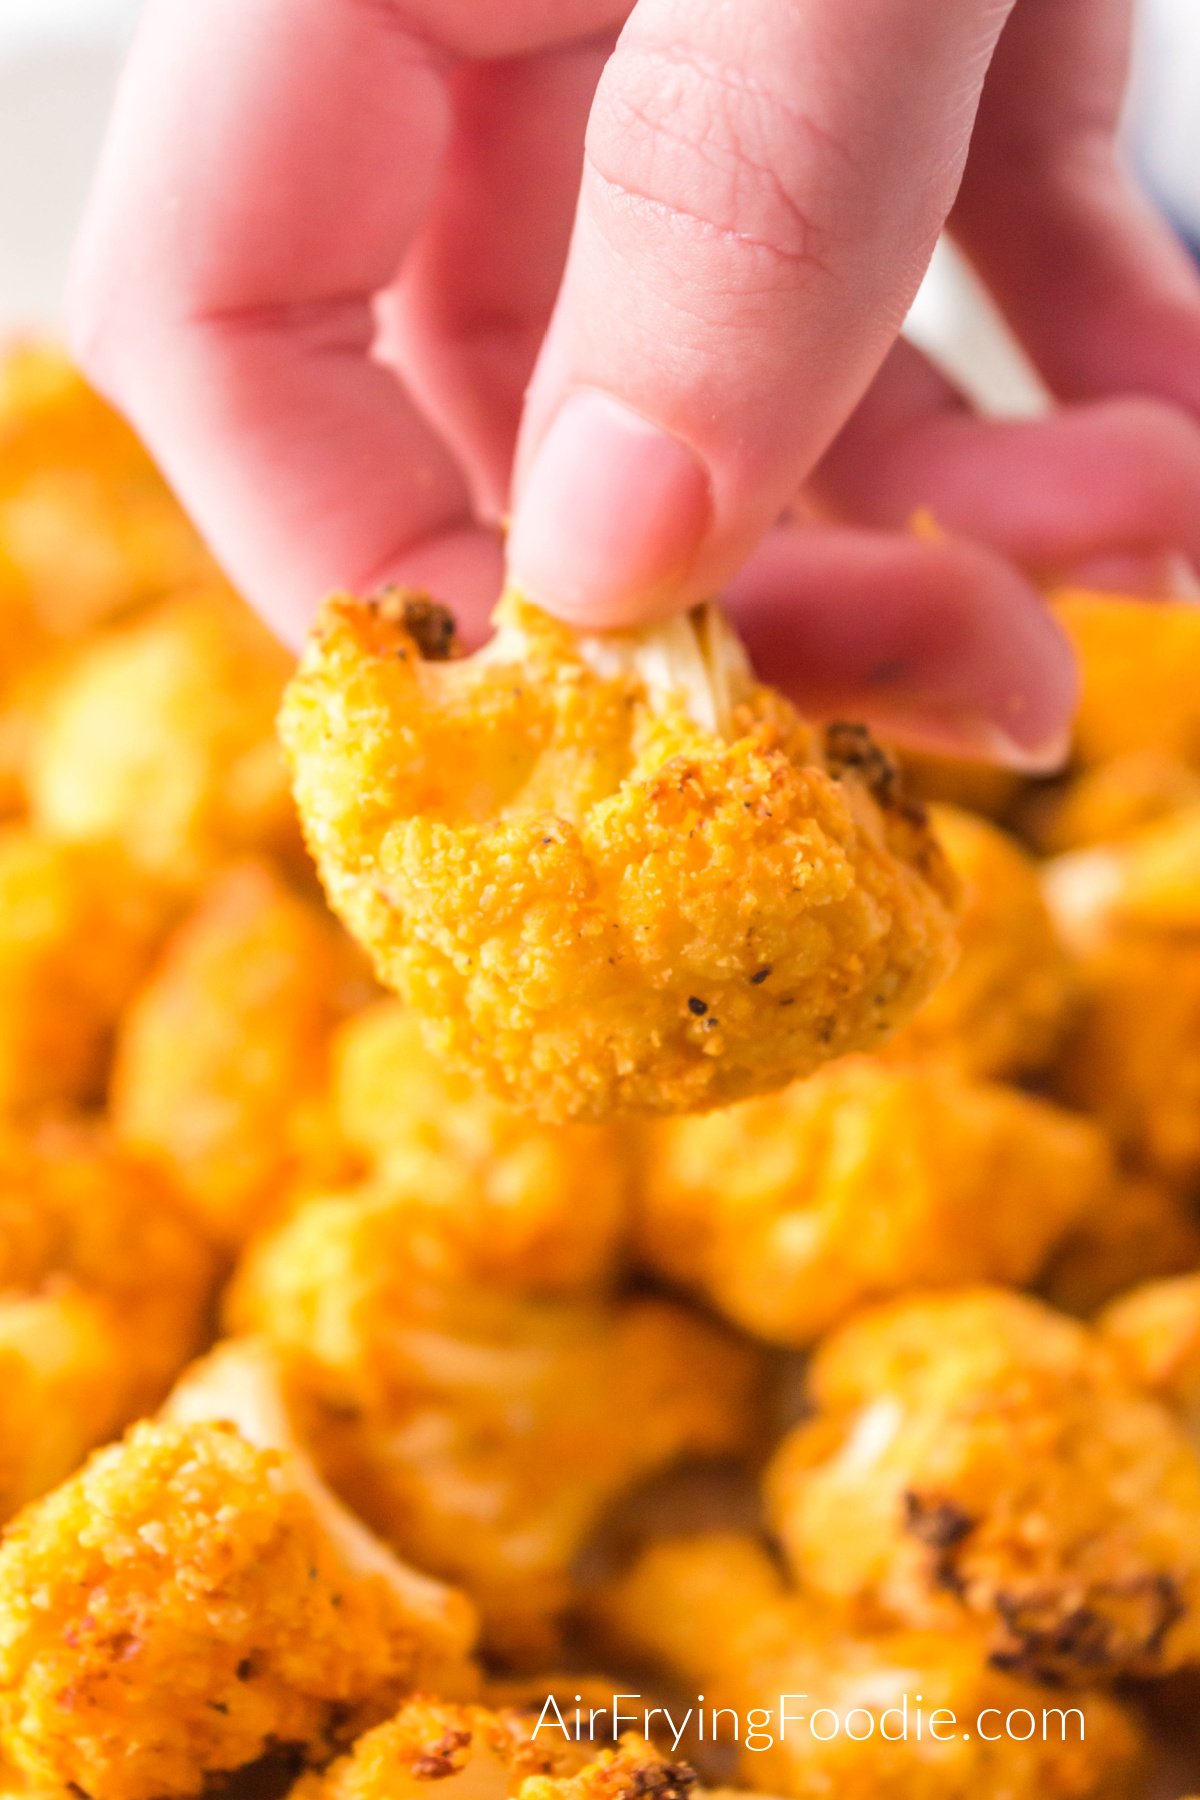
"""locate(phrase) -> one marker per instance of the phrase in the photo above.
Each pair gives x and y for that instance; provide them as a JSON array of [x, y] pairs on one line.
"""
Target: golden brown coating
[[78, 929], [599, 903], [494, 1195], [104, 1291], [714, 1616], [1111, 801], [1002, 1009], [84, 514], [788, 1211], [976, 1456], [1138, 665], [481, 1433], [177, 1608], [1155, 1330], [477, 1753], [1139, 1230], [222, 1058], [161, 737]]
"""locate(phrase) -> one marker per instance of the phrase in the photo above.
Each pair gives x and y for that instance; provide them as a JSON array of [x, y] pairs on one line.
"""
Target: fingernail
[[610, 515], [971, 738]]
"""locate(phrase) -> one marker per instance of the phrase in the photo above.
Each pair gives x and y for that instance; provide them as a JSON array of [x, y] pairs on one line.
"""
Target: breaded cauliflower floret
[[182, 1605], [611, 875], [84, 514], [1138, 665], [494, 1194], [789, 1210], [78, 928], [1133, 1055], [712, 1614], [161, 736], [1002, 1009], [977, 1457], [1141, 1229], [481, 1433], [476, 1753], [1111, 801], [1155, 1330], [221, 1060], [104, 1289]]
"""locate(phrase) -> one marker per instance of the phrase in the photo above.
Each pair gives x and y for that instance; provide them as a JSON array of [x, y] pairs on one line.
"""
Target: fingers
[[762, 188], [1094, 282], [941, 646], [1101, 482], [464, 322]]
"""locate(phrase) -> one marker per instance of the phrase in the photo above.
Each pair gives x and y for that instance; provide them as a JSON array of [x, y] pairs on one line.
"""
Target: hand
[[327, 248]]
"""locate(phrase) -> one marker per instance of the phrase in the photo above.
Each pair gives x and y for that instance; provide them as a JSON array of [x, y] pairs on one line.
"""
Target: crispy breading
[[977, 1457], [479, 1753], [1002, 1009], [222, 1058], [84, 514], [1155, 1330], [1138, 664], [788, 1211], [78, 929], [181, 1605], [495, 1195], [1132, 1056], [482, 1433], [1139, 1230], [161, 736], [609, 874], [713, 1615], [104, 1291]]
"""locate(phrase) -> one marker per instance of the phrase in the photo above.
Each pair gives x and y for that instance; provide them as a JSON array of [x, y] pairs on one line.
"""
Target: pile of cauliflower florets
[[691, 1217]]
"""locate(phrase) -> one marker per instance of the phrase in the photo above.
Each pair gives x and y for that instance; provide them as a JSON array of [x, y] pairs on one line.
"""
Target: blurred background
[[59, 61]]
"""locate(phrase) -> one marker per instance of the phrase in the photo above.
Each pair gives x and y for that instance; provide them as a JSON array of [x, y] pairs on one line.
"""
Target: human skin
[[634, 276]]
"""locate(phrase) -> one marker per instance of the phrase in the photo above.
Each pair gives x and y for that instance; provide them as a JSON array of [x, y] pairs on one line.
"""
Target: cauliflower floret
[[1002, 1008], [104, 1290], [1133, 1056], [609, 874], [1110, 802], [191, 1599], [481, 1433], [476, 1753], [161, 737], [1141, 1229], [78, 928], [497, 1195], [976, 1456], [221, 1060], [713, 1614], [1138, 662], [866, 1179], [1155, 1330], [84, 514]]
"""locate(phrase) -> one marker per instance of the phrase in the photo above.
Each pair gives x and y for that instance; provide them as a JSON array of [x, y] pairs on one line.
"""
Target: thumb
[[763, 185]]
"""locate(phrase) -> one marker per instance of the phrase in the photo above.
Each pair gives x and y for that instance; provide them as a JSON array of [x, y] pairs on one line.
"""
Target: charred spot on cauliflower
[[553, 846]]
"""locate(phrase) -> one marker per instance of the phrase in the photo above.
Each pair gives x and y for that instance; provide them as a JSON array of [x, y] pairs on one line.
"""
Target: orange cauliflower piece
[[84, 514], [496, 1195], [1111, 801], [477, 1753], [78, 928], [482, 1433], [186, 1602], [1155, 1330], [611, 875], [712, 1613], [1002, 1009], [1140, 1229], [161, 736], [104, 1291], [221, 1060], [1139, 662], [977, 1458], [788, 1211]]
